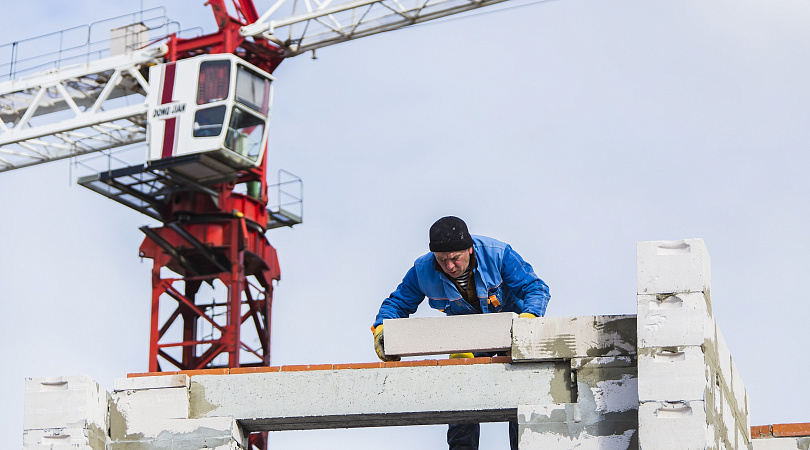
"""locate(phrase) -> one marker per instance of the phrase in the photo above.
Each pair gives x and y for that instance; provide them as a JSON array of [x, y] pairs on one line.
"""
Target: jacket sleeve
[[403, 301], [524, 283]]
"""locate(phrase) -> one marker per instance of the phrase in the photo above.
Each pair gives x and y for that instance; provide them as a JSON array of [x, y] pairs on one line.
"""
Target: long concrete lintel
[[380, 397]]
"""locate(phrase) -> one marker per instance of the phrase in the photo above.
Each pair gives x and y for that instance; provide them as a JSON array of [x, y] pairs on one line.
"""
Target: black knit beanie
[[449, 234]]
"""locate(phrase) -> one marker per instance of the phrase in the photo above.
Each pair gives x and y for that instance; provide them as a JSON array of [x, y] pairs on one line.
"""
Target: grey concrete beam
[[350, 398]]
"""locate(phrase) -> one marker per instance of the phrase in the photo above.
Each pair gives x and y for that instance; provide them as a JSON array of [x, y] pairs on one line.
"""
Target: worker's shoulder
[[485, 242]]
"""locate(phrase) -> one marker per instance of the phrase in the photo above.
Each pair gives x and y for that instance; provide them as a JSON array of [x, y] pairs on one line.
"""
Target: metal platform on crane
[[147, 187]]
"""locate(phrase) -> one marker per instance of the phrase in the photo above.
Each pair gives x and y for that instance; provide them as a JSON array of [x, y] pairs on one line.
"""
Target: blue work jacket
[[503, 280]]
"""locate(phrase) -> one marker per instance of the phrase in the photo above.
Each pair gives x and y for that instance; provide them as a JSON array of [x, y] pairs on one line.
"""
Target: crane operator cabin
[[223, 114]]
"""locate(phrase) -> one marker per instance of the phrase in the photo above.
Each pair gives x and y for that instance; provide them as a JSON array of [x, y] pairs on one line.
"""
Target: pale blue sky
[[571, 129]]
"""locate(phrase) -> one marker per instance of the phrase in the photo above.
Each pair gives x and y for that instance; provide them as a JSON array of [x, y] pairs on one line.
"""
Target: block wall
[[691, 395]]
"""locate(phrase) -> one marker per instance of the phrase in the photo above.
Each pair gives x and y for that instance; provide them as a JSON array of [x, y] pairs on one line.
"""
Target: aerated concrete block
[[217, 433], [85, 438], [553, 338], [666, 267], [674, 319], [567, 426], [786, 443], [65, 402], [605, 414], [673, 425], [151, 382], [451, 334], [133, 411], [672, 374]]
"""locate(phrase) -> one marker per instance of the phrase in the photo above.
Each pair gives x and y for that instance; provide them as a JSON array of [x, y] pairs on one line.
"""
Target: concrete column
[[690, 393]]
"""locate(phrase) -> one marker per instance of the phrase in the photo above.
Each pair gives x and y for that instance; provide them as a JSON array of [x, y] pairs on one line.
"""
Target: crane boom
[[328, 23], [75, 110]]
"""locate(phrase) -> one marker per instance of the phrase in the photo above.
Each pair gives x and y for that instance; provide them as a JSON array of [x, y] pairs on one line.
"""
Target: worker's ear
[[470, 250]]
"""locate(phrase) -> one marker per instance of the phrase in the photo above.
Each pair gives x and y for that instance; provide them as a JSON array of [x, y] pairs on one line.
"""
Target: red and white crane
[[200, 105]]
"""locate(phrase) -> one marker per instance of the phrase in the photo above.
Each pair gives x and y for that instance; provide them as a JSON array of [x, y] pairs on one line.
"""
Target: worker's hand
[[461, 355], [526, 316], [379, 345]]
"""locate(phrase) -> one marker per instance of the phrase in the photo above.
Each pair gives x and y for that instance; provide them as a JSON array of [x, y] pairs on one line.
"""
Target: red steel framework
[[218, 240]]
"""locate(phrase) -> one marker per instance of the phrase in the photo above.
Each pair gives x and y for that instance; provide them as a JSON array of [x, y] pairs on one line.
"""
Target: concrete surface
[[452, 334], [545, 338]]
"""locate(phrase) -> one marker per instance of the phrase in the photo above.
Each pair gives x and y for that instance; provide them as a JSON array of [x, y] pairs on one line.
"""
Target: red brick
[[760, 431], [191, 373], [791, 429], [464, 361], [255, 369], [502, 359], [149, 374], [373, 365], [419, 363], [306, 367]]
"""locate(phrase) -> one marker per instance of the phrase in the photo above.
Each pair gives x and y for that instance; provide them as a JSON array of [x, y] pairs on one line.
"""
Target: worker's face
[[454, 263]]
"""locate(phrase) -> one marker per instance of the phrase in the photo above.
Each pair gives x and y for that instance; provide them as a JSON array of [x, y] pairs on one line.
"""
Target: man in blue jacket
[[465, 274]]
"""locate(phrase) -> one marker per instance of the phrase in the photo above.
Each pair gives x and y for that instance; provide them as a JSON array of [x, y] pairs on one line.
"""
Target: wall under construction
[[662, 379]]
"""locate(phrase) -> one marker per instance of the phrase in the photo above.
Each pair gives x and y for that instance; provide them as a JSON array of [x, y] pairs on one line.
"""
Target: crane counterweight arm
[[329, 23]]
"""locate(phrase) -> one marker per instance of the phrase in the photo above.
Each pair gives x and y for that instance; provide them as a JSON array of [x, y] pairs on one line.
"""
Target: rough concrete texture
[[685, 370], [787, 443], [672, 373], [666, 267], [452, 334], [218, 433], [90, 437], [379, 397], [64, 402], [674, 425], [674, 319], [554, 338], [157, 382], [604, 415], [142, 412]]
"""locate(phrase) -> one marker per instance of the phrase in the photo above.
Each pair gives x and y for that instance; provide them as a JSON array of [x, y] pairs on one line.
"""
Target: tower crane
[[201, 106]]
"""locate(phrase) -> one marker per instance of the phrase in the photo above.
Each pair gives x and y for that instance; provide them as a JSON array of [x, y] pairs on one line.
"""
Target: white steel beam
[[329, 23]]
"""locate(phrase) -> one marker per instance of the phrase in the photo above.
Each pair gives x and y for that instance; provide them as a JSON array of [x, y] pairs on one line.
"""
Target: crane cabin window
[[252, 90], [214, 81], [208, 121], [245, 133]]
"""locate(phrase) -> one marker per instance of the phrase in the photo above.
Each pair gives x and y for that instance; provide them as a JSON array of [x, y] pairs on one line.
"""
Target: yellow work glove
[[527, 316], [379, 345], [461, 355]]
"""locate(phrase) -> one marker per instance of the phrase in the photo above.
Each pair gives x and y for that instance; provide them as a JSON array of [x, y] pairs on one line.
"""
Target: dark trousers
[[465, 436]]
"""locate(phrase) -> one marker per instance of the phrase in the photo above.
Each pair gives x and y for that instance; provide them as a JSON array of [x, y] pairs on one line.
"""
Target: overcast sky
[[571, 129]]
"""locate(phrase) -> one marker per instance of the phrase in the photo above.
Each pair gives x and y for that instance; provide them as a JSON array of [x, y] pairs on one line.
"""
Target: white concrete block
[[572, 426], [738, 390], [780, 443], [672, 374], [556, 338], [64, 402], [138, 410], [673, 425], [187, 434], [673, 266], [65, 438], [451, 334], [674, 320], [155, 382], [723, 356]]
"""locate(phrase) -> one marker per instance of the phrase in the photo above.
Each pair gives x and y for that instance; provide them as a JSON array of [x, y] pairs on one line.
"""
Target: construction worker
[[465, 274]]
